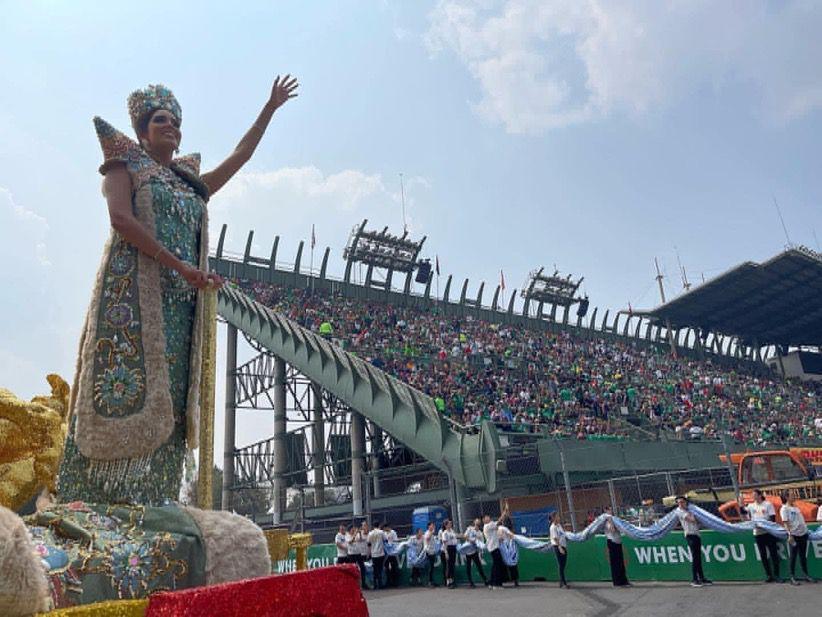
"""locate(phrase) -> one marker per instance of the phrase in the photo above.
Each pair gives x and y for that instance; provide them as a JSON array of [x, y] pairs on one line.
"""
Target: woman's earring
[[177, 150]]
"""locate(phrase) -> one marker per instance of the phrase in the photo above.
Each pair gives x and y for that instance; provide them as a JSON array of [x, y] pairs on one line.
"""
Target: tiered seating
[[554, 383]]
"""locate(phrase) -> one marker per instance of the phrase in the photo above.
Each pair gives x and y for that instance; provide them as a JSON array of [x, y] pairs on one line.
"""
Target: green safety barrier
[[725, 557]]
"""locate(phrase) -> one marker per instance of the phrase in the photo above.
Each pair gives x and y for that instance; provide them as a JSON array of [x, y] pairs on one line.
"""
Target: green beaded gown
[[177, 203]]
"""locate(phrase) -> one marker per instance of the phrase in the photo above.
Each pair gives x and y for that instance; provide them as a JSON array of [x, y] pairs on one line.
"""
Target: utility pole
[[659, 278], [402, 194], [685, 284]]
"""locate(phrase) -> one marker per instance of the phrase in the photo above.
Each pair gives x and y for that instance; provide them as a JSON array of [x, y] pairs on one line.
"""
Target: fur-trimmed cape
[[149, 421]]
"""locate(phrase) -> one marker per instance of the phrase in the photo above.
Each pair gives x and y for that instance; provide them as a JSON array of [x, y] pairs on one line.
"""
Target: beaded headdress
[[150, 99]]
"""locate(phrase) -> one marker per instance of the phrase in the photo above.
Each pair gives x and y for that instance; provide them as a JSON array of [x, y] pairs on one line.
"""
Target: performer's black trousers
[[562, 559], [343, 560], [513, 572], [618, 576], [497, 568], [392, 571], [695, 544], [360, 561], [469, 559], [452, 561], [766, 543], [800, 547], [378, 563], [431, 560]]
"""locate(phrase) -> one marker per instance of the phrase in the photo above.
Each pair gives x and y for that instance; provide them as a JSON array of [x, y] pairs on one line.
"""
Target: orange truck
[[798, 471]]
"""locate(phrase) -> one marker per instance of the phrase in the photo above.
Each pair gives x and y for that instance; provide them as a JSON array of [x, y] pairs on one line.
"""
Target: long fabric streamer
[[656, 531], [510, 552]]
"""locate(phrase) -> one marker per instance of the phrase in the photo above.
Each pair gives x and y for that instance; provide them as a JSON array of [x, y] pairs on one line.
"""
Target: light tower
[[381, 250]]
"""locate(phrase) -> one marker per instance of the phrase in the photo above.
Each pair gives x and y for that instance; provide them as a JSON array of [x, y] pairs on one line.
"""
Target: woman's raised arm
[[281, 91]]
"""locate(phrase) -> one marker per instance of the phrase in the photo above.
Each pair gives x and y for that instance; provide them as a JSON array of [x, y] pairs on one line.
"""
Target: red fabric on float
[[323, 592]]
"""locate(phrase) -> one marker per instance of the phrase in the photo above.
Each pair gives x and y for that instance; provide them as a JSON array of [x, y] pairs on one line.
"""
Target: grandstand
[[411, 399]]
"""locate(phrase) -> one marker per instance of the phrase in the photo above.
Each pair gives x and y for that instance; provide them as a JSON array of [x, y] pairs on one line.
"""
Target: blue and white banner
[[510, 552], [656, 531]]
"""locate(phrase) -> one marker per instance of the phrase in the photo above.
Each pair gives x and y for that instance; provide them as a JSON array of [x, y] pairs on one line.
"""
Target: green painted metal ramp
[[402, 411]]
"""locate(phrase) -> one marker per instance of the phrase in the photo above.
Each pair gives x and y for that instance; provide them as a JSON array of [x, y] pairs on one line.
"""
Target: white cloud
[[287, 201], [541, 65], [346, 189], [24, 232]]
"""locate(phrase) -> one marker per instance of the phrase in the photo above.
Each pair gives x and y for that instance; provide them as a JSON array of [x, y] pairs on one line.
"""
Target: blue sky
[[590, 135]]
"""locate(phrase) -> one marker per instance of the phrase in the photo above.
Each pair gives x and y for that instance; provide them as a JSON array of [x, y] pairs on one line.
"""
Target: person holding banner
[[449, 547], [507, 536], [472, 535], [358, 550], [690, 528], [392, 566], [615, 557], [762, 510], [432, 546], [794, 524], [376, 540], [560, 544], [489, 530], [416, 548]]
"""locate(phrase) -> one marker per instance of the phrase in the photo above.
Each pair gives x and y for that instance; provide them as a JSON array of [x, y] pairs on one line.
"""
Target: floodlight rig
[[381, 250], [554, 290]]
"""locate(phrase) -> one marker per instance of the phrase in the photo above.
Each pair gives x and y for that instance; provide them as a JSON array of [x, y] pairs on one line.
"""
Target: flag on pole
[[313, 238], [502, 280], [438, 265]]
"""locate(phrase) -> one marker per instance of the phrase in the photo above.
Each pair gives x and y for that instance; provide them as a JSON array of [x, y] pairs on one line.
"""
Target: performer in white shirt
[[615, 557], [794, 524], [472, 534], [819, 515], [449, 548], [392, 565], [489, 530], [358, 550], [560, 544], [419, 543], [341, 540], [430, 544], [690, 529], [376, 540], [762, 510]]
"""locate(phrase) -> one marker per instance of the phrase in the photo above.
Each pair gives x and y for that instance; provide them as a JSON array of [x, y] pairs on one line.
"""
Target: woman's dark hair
[[142, 123], [785, 496]]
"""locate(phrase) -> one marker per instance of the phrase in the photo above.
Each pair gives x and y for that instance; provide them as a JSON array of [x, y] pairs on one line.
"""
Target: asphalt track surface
[[599, 600]]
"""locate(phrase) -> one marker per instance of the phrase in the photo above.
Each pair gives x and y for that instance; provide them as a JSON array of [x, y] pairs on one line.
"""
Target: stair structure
[[410, 416]]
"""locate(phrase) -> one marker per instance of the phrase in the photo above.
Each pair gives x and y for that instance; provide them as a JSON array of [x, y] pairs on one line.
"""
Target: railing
[[645, 331]]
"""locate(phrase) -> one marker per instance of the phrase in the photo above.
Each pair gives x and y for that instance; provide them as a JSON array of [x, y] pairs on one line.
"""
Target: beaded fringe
[[115, 474]]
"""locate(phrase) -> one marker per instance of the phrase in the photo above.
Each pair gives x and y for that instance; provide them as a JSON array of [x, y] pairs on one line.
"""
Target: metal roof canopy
[[777, 302]]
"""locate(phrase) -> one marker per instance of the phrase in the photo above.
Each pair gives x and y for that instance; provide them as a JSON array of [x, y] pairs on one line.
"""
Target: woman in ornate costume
[[135, 399], [134, 405]]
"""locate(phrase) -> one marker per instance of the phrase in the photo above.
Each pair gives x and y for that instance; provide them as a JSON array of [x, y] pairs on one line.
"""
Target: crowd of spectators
[[556, 383]]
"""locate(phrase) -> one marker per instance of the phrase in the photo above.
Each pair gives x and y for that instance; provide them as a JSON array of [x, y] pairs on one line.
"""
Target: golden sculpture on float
[[32, 435]]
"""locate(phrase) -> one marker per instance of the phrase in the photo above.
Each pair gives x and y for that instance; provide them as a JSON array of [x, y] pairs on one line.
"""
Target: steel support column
[[229, 428], [280, 454], [376, 450], [357, 460], [318, 445], [460, 512]]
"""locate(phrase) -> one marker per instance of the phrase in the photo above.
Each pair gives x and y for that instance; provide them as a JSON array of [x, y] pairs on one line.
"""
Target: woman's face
[[163, 131]]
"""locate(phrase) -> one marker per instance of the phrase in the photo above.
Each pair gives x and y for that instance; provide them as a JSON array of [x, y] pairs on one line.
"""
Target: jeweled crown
[[152, 98]]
